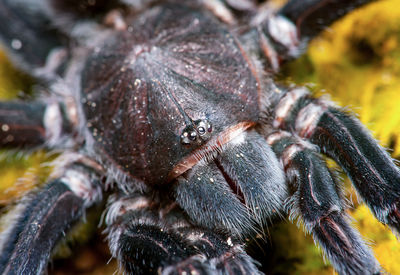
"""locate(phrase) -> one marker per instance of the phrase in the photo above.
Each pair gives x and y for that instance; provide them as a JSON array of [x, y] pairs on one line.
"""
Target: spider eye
[[185, 138], [209, 127], [188, 136], [203, 126], [201, 130], [193, 136], [198, 132]]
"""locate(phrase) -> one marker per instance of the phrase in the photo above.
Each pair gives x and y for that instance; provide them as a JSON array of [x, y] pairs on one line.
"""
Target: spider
[[172, 107]]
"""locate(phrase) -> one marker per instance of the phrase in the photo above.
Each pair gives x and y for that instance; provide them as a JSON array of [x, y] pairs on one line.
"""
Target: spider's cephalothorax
[[172, 106]]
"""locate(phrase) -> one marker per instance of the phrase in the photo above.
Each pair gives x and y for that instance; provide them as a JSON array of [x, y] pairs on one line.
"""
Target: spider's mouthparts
[[235, 187], [241, 186]]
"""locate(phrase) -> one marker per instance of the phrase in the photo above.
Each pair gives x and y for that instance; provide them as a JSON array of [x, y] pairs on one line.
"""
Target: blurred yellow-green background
[[356, 62]]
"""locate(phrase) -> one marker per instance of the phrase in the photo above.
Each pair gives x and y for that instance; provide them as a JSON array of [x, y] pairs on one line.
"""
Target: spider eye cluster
[[196, 133]]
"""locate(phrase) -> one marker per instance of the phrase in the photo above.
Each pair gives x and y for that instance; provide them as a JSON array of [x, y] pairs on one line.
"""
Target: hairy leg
[[316, 202], [30, 124], [30, 37], [150, 239], [285, 35], [343, 138], [313, 16], [42, 218]]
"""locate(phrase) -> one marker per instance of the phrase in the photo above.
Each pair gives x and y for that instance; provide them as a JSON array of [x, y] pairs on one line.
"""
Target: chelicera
[[172, 107]]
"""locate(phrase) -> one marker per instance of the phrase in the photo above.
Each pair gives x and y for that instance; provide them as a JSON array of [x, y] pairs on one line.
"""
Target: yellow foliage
[[383, 242], [358, 62]]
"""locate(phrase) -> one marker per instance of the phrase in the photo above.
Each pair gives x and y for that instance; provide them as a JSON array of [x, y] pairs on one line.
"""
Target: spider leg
[[31, 124], [148, 239], [29, 37], [343, 138], [284, 35], [316, 202], [313, 16], [85, 9], [42, 218]]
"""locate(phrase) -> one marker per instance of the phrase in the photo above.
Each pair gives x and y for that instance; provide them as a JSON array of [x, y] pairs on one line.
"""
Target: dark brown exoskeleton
[[173, 107]]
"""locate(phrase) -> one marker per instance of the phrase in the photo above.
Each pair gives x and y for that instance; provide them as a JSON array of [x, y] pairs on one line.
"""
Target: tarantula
[[173, 107]]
